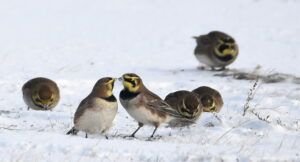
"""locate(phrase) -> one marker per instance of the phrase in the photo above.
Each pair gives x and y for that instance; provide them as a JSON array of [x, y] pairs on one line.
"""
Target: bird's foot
[[218, 69], [129, 137], [201, 68], [152, 138]]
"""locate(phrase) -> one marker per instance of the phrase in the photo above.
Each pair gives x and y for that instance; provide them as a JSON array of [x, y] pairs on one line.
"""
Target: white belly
[[204, 60], [97, 120], [145, 116]]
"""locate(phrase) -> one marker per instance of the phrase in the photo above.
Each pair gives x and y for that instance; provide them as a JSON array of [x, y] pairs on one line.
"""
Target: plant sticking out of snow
[[267, 118], [250, 96]]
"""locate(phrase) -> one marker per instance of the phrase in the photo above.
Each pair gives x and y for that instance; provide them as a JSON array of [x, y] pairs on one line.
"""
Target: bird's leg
[[86, 135], [222, 68], [154, 132], [151, 138], [140, 126], [28, 108], [106, 137], [200, 67]]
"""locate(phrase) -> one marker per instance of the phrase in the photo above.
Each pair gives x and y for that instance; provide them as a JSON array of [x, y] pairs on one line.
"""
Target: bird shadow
[[128, 137], [239, 74]]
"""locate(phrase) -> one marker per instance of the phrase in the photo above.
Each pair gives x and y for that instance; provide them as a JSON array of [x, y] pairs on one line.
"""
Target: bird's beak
[[120, 79], [194, 37], [46, 107]]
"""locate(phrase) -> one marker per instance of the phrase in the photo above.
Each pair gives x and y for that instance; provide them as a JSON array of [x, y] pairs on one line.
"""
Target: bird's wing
[[175, 99], [162, 106], [84, 104]]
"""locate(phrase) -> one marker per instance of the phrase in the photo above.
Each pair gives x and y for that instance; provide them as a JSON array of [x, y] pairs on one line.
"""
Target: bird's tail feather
[[72, 131], [181, 122]]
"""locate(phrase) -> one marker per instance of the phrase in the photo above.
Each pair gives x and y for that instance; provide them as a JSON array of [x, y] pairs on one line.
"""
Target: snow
[[77, 42]]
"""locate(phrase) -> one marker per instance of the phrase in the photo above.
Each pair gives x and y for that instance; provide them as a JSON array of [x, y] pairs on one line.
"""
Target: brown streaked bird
[[40, 94], [210, 98], [187, 104], [144, 106], [216, 49], [95, 113]]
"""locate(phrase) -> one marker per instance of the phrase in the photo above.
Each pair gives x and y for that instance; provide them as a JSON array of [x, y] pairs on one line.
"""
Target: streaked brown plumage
[[186, 103], [216, 49], [144, 106], [41, 94], [210, 98], [97, 111]]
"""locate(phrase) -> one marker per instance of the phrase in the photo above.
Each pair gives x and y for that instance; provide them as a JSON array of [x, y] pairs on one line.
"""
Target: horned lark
[[144, 106], [40, 94], [186, 103], [216, 49], [97, 111], [210, 98]]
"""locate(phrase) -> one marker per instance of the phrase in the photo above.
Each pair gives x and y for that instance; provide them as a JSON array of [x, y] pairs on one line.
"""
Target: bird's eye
[[223, 47]]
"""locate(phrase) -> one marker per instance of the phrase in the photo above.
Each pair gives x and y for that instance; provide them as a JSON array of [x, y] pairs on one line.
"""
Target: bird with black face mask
[[210, 98], [95, 113], [144, 106], [192, 104], [40, 94], [216, 50]]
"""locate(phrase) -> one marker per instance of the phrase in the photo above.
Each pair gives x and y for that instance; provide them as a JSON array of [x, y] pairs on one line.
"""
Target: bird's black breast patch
[[225, 58], [112, 98], [126, 95]]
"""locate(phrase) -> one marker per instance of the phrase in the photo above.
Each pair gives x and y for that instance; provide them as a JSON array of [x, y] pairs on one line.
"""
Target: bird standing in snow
[[95, 114], [210, 98], [216, 49], [40, 94], [144, 106], [188, 104]]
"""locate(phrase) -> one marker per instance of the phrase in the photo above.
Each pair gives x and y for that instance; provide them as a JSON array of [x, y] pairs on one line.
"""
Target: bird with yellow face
[[41, 94], [144, 106], [188, 104], [210, 98], [216, 50], [192, 104]]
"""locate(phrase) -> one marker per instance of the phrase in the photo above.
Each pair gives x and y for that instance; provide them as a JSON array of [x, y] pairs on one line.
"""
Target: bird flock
[[96, 112]]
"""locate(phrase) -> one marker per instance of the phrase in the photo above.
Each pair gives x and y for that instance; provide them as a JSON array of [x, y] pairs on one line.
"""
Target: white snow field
[[77, 42]]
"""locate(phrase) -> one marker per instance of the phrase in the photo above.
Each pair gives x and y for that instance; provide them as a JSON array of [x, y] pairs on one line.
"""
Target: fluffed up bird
[[40, 94], [216, 49], [95, 114], [210, 98], [144, 106], [188, 104]]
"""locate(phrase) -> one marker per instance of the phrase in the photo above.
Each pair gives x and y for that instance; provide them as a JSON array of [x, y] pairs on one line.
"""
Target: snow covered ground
[[77, 42]]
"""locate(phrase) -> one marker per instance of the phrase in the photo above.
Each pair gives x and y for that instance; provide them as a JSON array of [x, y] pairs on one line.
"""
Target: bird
[[96, 112], [216, 49], [210, 98], [187, 103], [41, 94], [144, 106]]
